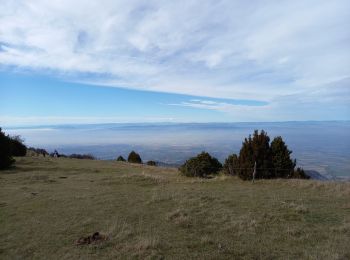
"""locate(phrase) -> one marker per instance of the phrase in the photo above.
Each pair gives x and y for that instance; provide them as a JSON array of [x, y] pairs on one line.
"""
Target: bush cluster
[[272, 159], [201, 166]]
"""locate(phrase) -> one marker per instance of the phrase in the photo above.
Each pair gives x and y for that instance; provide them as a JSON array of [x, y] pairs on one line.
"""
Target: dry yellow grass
[[46, 204]]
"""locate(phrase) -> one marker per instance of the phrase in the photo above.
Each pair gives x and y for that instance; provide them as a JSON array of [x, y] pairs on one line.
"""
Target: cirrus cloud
[[258, 50]]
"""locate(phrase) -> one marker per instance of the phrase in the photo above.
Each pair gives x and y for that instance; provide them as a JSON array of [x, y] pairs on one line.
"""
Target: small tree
[[201, 166], [151, 163], [256, 149], [231, 165], [120, 159], [134, 158], [6, 159], [282, 163]]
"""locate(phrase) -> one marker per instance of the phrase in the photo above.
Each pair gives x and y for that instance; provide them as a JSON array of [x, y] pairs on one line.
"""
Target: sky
[[111, 61]]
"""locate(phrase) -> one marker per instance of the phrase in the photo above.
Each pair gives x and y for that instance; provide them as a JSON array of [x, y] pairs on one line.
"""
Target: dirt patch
[[94, 238]]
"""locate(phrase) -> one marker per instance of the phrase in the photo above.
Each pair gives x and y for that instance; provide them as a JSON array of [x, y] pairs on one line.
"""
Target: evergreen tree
[[6, 159], [134, 158], [256, 149], [282, 163], [231, 165]]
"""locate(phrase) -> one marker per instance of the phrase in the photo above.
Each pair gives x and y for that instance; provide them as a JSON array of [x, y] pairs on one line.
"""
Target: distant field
[[317, 146], [46, 204]]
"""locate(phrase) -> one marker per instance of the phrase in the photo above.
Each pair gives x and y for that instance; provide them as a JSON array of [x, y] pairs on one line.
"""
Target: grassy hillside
[[46, 204]]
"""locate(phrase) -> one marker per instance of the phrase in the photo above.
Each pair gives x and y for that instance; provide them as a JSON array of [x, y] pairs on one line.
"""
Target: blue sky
[[174, 61]]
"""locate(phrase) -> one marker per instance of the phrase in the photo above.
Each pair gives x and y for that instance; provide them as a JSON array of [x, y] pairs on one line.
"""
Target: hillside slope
[[46, 204]]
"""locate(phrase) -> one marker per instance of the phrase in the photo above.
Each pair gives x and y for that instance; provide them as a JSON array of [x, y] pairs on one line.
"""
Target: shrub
[[201, 166], [120, 159], [134, 158], [6, 159], [151, 163], [81, 156], [299, 174], [231, 165], [17, 146]]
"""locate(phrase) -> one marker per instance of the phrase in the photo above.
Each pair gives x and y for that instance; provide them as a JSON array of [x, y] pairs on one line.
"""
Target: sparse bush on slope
[[201, 166]]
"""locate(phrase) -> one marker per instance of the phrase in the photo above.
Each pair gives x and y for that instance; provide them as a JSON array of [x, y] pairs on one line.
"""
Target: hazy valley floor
[[46, 204]]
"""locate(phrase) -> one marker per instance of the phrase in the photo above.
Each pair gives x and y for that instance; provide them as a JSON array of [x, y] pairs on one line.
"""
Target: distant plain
[[320, 146]]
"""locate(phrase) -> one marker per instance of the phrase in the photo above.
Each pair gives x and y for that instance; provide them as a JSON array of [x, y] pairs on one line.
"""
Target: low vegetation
[[120, 159], [257, 159], [49, 205], [201, 166], [10, 146], [151, 163]]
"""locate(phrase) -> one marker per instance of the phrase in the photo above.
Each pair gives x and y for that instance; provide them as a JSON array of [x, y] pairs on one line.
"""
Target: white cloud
[[225, 49], [56, 120]]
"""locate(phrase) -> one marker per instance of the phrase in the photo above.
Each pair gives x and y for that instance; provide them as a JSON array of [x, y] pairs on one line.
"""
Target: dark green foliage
[[201, 166], [120, 159], [82, 156], [273, 161], [231, 165], [134, 158], [6, 159], [282, 163], [256, 149], [17, 146], [151, 163]]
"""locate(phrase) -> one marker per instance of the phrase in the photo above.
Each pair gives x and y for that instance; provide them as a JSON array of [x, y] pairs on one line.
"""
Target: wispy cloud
[[264, 50], [218, 105], [9, 121]]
